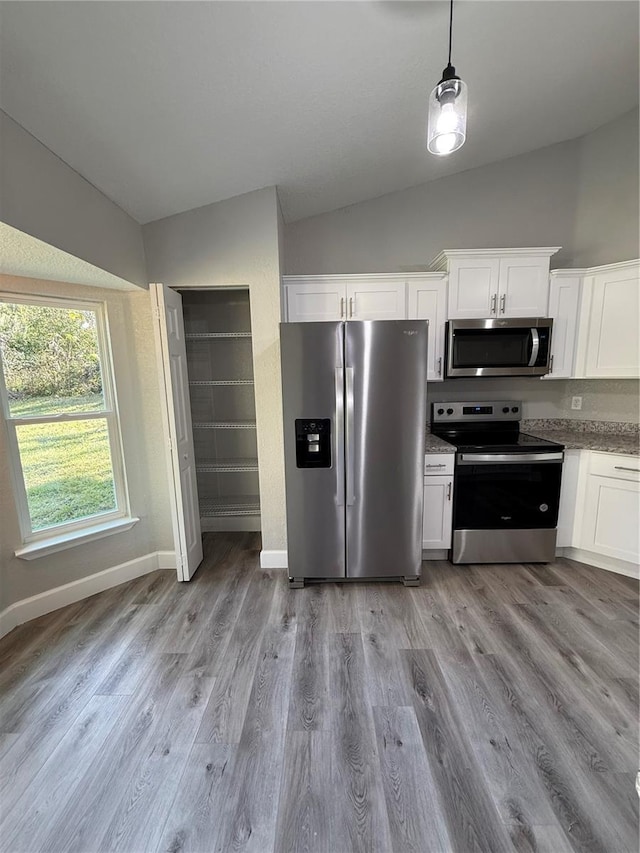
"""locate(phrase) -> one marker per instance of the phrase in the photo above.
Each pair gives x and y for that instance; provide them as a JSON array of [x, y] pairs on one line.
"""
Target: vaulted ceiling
[[166, 106]]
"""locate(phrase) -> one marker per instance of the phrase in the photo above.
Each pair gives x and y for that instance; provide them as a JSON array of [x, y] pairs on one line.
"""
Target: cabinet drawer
[[438, 463], [613, 465]]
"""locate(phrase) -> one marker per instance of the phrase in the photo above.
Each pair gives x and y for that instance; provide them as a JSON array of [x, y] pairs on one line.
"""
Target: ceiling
[[167, 106]]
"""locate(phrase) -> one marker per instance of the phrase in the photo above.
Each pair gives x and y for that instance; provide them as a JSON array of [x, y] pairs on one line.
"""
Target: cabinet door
[[564, 304], [315, 301], [473, 288], [613, 331], [569, 499], [437, 512], [376, 300], [612, 509], [523, 287], [428, 301]]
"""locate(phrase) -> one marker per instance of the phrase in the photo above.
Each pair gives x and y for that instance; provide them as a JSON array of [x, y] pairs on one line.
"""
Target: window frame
[[109, 414]]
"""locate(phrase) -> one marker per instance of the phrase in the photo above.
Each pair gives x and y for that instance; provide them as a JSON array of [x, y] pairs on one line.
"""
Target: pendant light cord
[[450, 29]]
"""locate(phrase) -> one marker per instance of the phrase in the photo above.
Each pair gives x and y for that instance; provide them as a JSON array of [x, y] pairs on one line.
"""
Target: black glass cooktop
[[498, 441]]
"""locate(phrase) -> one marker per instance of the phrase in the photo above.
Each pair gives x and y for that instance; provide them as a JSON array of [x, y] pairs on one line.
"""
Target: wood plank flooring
[[492, 709]]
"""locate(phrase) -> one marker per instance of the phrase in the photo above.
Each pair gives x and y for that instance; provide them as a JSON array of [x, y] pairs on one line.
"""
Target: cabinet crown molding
[[442, 259], [584, 271], [429, 275]]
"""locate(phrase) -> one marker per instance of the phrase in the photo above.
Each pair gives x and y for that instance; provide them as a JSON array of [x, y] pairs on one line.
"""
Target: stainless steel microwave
[[499, 347]]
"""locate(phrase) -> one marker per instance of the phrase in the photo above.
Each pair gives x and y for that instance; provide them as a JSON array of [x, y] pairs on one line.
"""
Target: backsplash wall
[[602, 399]]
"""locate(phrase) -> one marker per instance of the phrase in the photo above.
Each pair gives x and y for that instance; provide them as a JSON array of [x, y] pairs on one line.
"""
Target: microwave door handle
[[535, 347]]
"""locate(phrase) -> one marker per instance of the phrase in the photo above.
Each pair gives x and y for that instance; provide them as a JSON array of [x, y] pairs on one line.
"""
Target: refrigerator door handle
[[339, 377], [350, 438]]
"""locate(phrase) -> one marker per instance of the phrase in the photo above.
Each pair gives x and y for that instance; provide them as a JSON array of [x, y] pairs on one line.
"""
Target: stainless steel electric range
[[506, 484]]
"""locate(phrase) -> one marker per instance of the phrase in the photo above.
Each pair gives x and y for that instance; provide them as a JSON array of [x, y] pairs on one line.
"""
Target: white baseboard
[[610, 564], [68, 593], [273, 560], [166, 559], [435, 554]]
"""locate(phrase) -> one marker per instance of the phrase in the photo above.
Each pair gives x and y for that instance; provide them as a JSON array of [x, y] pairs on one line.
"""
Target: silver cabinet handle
[[339, 378], [503, 303], [551, 365], [494, 300], [623, 468], [341, 307], [449, 491], [432, 465], [351, 306], [350, 437], [440, 366]]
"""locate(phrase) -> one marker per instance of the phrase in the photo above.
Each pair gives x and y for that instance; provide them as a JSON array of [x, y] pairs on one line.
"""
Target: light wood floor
[[492, 709]]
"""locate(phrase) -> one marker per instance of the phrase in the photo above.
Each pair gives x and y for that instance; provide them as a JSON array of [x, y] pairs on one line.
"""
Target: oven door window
[[476, 348], [502, 496]]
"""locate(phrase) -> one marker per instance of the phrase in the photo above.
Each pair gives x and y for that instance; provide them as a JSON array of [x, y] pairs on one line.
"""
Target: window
[[57, 396]]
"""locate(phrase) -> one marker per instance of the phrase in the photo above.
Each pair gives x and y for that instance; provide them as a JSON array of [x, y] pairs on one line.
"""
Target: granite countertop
[[433, 444], [604, 436]]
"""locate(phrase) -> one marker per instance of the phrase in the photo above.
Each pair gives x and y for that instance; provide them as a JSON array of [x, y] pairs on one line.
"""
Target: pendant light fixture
[[447, 128]]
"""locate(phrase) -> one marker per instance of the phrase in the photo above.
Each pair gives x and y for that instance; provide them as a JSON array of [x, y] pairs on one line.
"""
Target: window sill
[[44, 547]]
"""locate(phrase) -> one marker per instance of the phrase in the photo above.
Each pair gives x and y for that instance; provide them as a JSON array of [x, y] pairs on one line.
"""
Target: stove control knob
[[449, 411], [514, 410], [441, 411], [505, 409]]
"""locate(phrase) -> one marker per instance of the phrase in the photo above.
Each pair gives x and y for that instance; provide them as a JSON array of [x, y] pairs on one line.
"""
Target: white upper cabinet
[[608, 345], [564, 306], [523, 287], [496, 282], [376, 298], [427, 300], [313, 298], [473, 288]]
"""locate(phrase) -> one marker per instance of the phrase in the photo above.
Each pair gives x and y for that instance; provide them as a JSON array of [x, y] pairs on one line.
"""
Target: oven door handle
[[507, 458], [535, 347]]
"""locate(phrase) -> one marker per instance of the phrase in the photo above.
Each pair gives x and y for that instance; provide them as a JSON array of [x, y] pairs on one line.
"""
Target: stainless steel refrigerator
[[354, 400]]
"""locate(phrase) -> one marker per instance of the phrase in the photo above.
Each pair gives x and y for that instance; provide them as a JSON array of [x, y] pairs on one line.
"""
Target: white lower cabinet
[[569, 499], [437, 512], [612, 507]]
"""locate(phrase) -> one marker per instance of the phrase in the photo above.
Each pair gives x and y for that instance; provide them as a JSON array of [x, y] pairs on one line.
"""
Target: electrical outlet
[[576, 402]]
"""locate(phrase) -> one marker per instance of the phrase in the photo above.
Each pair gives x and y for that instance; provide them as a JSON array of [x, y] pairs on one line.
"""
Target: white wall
[[138, 396], [524, 201], [45, 198], [602, 399], [236, 242], [606, 225], [581, 195]]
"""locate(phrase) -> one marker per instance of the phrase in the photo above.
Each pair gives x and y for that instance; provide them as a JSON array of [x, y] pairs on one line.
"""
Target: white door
[[315, 300], [473, 288], [427, 300], [437, 513], [523, 287], [376, 300], [174, 387]]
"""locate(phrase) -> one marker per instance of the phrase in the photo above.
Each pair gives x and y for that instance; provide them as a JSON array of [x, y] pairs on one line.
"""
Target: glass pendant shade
[[447, 127]]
